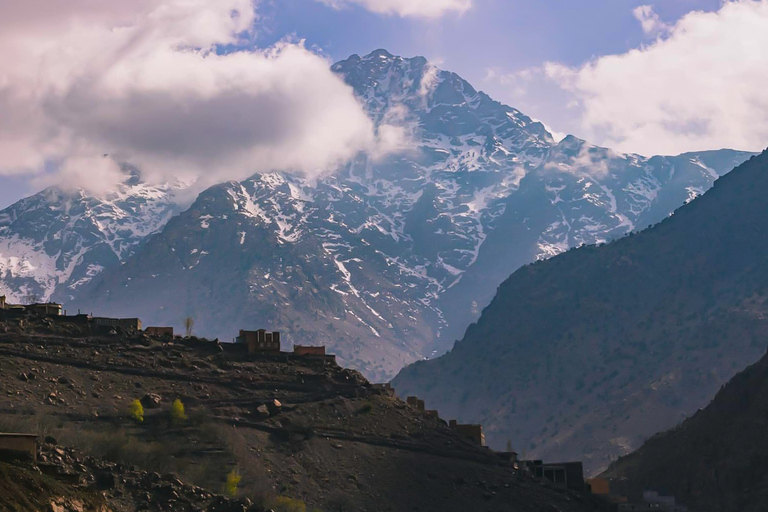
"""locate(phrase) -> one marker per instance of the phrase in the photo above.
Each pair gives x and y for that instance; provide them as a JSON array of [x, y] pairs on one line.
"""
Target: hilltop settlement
[[145, 419]]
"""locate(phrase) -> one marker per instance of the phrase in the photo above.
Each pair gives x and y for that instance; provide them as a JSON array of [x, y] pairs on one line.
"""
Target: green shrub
[[137, 411], [286, 504], [233, 480], [177, 411]]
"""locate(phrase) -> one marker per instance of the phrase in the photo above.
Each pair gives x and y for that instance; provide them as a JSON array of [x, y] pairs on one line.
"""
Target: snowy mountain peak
[[54, 242], [386, 261]]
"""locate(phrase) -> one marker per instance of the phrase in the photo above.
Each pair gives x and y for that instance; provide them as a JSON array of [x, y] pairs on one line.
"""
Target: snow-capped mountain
[[388, 259], [54, 242]]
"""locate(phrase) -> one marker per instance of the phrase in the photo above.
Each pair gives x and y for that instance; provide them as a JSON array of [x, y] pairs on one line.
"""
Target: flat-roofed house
[[19, 446], [301, 350], [123, 323], [160, 332], [261, 341], [473, 433], [45, 309]]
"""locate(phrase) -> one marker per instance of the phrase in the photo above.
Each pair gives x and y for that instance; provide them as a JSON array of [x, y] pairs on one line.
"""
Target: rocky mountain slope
[[300, 432], [64, 480], [388, 259], [716, 460], [53, 243], [589, 353], [372, 260]]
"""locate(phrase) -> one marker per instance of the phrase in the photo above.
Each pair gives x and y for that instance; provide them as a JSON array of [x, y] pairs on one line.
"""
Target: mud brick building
[[567, 475], [123, 323], [160, 332], [301, 350], [261, 341], [18, 446], [473, 433]]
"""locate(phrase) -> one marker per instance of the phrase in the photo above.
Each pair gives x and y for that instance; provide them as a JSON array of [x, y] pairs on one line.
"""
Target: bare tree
[[189, 323], [32, 298]]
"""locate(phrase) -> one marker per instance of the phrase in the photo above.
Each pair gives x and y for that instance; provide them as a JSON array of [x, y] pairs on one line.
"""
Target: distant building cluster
[[651, 500], [258, 342], [40, 309], [565, 475]]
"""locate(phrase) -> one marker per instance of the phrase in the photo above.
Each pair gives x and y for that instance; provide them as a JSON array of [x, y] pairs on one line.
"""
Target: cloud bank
[[407, 8], [700, 85], [144, 82]]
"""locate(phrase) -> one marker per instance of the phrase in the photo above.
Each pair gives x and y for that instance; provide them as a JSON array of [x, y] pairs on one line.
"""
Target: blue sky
[[549, 58], [514, 34], [508, 34]]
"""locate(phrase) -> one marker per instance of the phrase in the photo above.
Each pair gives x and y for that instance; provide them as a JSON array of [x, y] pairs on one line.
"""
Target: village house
[[653, 500], [160, 332], [123, 323], [44, 309], [473, 433], [301, 350], [385, 388], [416, 403], [18, 446], [566, 475], [260, 342]]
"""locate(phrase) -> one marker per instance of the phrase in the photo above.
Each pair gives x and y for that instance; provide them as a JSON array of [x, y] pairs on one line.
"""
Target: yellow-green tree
[[286, 504], [137, 411], [177, 411], [233, 480]]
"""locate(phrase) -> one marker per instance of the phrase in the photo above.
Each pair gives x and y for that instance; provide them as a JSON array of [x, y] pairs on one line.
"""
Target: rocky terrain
[[64, 480], [56, 241], [299, 432], [588, 354], [716, 460], [386, 260]]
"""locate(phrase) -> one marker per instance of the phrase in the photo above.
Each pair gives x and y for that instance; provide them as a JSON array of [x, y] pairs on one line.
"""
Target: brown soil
[[333, 441]]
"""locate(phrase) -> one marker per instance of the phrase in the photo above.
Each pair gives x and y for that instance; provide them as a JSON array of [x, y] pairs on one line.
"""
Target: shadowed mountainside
[[589, 353], [717, 460]]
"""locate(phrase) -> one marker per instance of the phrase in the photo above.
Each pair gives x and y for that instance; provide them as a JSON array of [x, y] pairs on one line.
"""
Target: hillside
[[64, 480], [294, 428], [715, 461], [589, 353], [388, 259]]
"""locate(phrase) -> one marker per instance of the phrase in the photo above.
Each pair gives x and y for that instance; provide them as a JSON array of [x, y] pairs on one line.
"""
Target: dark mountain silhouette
[[717, 460]]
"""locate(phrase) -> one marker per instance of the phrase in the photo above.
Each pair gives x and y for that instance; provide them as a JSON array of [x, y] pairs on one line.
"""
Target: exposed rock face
[[587, 354]]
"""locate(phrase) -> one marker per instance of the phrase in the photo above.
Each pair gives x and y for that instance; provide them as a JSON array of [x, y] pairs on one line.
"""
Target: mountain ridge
[[716, 459], [587, 354], [415, 243]]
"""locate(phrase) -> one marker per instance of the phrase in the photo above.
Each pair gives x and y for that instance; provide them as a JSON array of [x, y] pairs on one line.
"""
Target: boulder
[[151, 401]]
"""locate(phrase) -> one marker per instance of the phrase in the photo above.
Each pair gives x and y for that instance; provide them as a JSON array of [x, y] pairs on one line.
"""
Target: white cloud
[[701, 86], [649, 20], [142, 81], [408, 8]]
